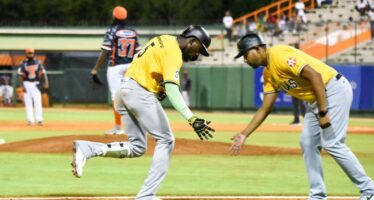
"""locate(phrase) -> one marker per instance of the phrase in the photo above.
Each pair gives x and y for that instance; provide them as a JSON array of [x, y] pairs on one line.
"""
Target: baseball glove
[[201, 127], [96, 79]]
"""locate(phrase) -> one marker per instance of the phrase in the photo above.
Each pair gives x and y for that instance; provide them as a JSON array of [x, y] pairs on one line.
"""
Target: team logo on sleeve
[[176, 75], [291, 62]]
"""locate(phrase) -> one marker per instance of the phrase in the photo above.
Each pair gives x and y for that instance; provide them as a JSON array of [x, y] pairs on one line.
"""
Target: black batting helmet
[[199, 33], [247, 42]]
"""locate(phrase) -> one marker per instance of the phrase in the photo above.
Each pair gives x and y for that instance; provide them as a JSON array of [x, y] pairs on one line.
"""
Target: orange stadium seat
[[7, 59]]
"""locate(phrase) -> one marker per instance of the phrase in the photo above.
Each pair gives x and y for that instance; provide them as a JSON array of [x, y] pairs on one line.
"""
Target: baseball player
[[119, 47], [6, 91], [153, 75], [33, 78], [329, 97]]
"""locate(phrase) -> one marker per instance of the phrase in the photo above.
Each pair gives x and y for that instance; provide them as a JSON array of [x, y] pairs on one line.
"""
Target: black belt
[[338, 76]]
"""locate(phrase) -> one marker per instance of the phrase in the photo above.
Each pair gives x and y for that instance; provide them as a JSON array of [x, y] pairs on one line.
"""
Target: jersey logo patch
[[126, 33], [291, 62]]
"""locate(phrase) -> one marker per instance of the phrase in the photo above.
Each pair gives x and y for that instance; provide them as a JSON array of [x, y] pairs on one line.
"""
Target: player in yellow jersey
[[153, 75], [325, 124]]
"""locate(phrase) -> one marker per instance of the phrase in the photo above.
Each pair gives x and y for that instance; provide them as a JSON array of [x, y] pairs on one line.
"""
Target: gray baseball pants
[[332, 139], [142, 113]]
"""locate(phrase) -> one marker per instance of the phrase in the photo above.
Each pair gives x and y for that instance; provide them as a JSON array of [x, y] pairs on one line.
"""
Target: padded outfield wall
[[213, 87]]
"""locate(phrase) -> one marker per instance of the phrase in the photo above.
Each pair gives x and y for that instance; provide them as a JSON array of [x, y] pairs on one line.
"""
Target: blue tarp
[[360, 77]]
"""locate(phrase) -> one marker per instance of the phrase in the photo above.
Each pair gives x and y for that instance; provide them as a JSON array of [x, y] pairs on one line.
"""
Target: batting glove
[[161, 96], [201, 127]]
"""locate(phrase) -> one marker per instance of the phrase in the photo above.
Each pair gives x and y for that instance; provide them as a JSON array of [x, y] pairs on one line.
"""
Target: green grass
[[49, 175], [30, 174], [52, 114], [245, 117], [105, 114]]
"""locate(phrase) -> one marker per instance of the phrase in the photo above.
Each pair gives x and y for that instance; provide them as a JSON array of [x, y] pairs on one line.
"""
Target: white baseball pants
[[332, 139], [33, 101], [114, 75]]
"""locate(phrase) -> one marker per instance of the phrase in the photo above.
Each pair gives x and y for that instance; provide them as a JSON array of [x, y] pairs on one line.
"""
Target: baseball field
[[35, 160]]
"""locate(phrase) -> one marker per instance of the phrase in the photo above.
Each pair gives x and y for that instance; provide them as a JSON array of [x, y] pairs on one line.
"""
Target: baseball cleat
[[79, 160], [40, 123], [367, 197], [114, 131]]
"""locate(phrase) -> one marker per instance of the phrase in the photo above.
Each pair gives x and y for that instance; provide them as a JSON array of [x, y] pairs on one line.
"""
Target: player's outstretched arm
[[261, 114], [200, 126]]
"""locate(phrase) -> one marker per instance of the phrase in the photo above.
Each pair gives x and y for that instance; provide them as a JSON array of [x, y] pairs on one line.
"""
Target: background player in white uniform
[[154, 72], [33, 79], [6, 91], [119, 46]]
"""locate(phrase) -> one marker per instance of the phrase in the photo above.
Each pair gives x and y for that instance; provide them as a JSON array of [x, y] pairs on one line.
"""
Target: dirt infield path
[[63, 144], [100, 126]]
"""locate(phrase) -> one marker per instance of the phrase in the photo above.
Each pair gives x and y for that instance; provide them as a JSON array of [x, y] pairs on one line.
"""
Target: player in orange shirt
[[329, 96]]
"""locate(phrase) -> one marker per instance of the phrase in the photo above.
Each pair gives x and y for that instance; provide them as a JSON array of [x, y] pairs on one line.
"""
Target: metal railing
[[274, 9]]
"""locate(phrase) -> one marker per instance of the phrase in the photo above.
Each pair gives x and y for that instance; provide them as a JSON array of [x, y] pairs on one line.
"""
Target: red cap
[[120, 13]]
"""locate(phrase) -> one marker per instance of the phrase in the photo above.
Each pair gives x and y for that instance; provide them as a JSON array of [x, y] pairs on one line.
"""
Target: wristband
[[322, 113], [324, 126]]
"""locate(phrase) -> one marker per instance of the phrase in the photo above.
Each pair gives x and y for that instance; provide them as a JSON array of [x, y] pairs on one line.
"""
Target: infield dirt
[[63, 144]]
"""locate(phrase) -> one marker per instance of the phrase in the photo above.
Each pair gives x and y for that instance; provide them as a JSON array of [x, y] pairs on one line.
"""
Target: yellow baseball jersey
[[158, 62], [283, 72]]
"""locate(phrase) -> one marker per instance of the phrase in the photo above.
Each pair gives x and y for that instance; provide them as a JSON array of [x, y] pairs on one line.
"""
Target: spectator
[[300, 7], [242, 29], [347, 24], [261, 23], [294, 24], [252, 26], [371, 17], [319, 2], [6, 91], [228, 22], [363, 6], [271, 23], [282, 23], [186, 88]]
